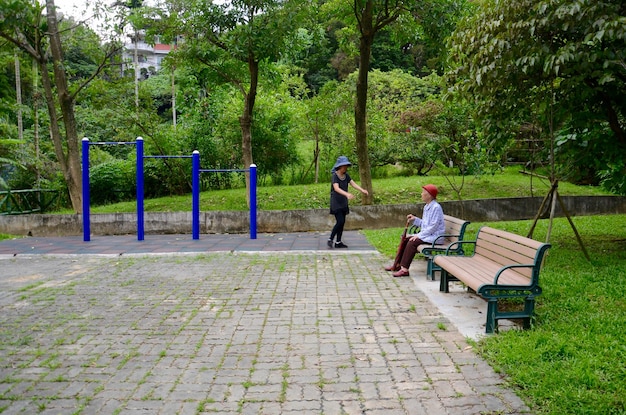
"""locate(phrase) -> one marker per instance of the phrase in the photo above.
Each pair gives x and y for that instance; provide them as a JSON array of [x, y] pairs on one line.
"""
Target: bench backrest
[[506, 248], [455, 230]]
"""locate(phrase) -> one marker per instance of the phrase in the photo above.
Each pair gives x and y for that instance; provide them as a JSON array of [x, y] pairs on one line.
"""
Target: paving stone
[[253, 331]]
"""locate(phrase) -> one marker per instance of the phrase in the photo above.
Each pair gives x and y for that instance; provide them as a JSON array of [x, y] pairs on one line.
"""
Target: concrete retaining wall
[[274, 221]]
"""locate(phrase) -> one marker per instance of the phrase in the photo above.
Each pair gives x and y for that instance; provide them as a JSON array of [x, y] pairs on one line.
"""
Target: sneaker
[[340, 245], [329, 243]]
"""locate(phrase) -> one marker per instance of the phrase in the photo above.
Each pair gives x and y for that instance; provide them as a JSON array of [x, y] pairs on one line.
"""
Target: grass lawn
[[573, 360], [396, 190]]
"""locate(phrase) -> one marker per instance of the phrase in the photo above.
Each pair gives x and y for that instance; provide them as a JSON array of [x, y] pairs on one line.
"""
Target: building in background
[[149, 57]]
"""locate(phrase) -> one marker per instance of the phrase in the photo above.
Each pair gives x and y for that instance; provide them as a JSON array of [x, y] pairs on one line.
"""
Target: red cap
[[432, 189]]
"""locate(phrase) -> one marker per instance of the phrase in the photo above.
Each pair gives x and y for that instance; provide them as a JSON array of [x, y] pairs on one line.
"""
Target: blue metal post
[[140, 220], [195, 192], [86, 224], [253, 201]]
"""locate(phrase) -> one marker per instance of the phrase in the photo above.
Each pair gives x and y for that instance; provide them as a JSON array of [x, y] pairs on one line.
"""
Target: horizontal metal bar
[[222, 170], [110, 143], [167, 157]]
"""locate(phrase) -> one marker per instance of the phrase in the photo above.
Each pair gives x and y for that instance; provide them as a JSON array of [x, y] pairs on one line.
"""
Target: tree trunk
[[173, 99], [36, 122], [245, 121], [55, 133], [316, 157], [360, 106], [70, 164], [614, 119], [18, 96], [136, 67]]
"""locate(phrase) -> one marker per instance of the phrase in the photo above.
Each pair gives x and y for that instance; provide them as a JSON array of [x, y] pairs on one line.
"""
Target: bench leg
[[443, 282], [492, 322], [529, 309], [429, 269], [433, 271]]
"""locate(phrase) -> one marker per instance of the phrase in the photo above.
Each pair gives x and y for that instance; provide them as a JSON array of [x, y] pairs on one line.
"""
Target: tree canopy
[[557, 65]]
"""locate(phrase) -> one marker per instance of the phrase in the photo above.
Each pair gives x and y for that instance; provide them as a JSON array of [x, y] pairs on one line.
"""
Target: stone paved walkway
[[230, 331]]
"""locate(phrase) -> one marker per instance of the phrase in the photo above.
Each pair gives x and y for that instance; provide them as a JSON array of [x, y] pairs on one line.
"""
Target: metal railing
[[21, 202]]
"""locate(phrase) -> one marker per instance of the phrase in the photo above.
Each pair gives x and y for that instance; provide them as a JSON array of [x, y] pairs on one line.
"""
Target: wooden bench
[[455, 231], [503, 265]]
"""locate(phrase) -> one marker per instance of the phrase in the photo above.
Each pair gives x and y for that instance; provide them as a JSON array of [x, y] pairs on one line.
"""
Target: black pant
[[340, 217]]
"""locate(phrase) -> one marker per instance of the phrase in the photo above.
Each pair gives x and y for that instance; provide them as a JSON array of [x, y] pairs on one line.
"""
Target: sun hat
[[341, 161], [432, 189]]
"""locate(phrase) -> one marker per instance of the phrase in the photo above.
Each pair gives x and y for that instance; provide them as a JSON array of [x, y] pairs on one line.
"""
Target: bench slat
[[479, 271], [505, 248], [506, 257], [529, 250], [522, 240]]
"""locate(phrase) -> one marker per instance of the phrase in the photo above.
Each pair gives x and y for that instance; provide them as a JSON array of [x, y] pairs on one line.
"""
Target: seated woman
[[431, 227]]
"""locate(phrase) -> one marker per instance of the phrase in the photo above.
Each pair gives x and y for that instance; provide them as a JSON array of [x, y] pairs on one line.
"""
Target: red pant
[[409, 252]]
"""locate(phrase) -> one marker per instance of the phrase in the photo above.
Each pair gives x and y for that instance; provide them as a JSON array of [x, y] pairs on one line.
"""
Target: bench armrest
[[453, 245], [433, 248], [444, 236], [495, 279]]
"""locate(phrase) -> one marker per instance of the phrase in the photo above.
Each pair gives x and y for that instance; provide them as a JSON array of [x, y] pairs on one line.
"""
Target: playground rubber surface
[[225, 324], [163, 244]]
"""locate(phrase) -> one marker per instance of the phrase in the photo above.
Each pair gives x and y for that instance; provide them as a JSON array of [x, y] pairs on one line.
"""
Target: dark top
[[339, 202]]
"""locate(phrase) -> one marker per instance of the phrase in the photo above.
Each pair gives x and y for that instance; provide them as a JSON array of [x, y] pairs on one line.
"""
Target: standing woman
[[339, 196]]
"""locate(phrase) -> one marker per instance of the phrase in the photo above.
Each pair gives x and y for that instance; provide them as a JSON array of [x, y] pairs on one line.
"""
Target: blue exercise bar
[[253, 201], [195, 208], [196, 195], [140, 187], [86, 195], [86, 226]]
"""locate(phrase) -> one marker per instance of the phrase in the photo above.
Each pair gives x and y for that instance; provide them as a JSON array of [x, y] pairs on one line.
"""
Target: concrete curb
[[286, 221]]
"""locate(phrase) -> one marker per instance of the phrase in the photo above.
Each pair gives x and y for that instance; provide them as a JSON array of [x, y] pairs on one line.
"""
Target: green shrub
[[112, 182]]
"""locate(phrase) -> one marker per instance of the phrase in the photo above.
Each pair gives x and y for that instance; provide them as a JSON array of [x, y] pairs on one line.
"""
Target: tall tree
[[24, 24], [70, 161], [233, 41], [371, 17], [559, 63]]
